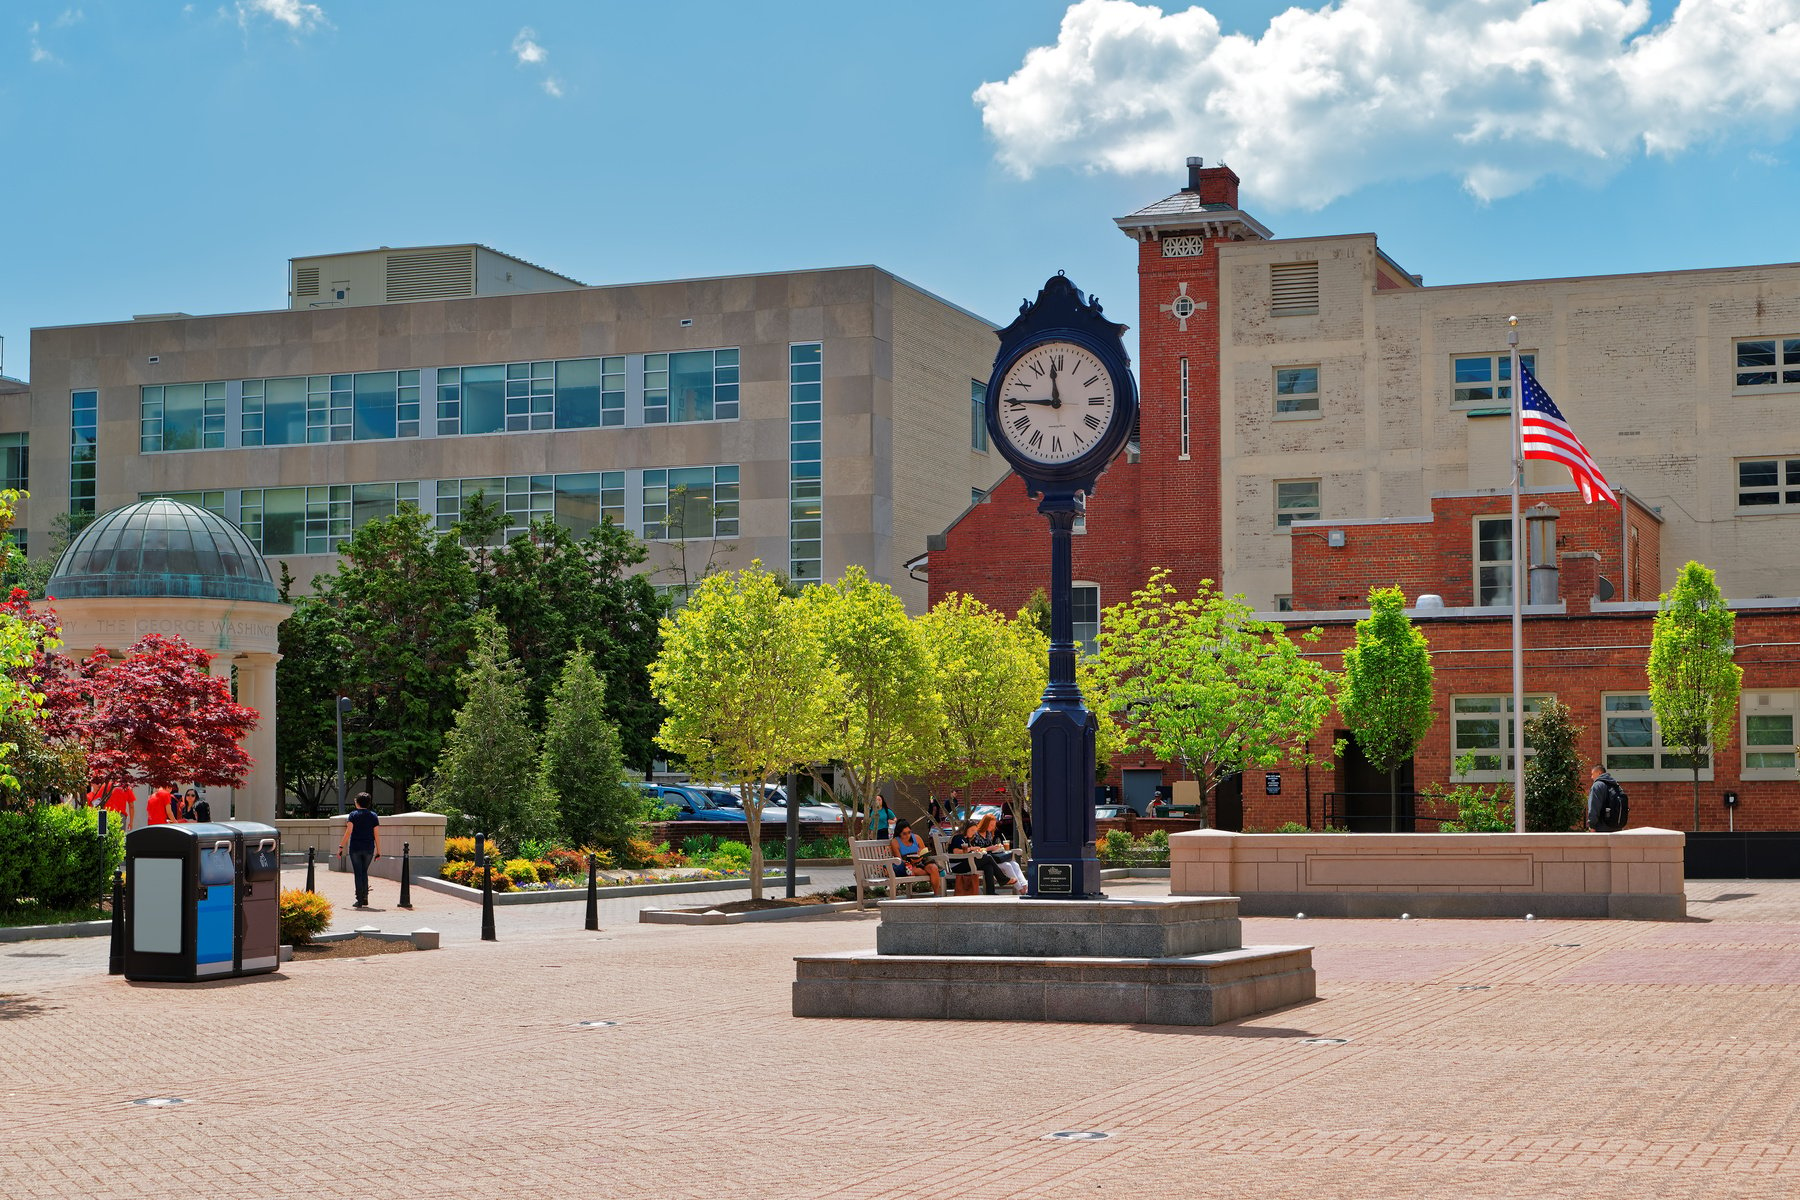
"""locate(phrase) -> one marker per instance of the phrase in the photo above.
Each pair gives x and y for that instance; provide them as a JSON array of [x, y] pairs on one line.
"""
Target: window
[[1493, 562], [1769, 735], [328, 407], [1293, 289], [1772, 483], [690, 385], [1482, 379], [1634, 745], [1296, 500], [15, 461], [1184, 408], [570, 393], [212, 502], [274, 412], [690, 502], [806, 514], [181, 416], [84, 427], [575, 500], [1768, 364], [978, 414], [1482, 727], [1085, 608], [1296, 390], [1284, 604]]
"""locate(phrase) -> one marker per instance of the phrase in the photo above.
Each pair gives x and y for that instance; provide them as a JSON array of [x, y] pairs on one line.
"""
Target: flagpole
[[1519, 581]]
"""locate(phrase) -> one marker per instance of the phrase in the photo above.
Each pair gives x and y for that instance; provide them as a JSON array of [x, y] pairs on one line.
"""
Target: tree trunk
[[1696, 765], [1393, 800], [753, 823]]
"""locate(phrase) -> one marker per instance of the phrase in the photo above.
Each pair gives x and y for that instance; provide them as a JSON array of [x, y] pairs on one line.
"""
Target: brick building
[[1316, 422]]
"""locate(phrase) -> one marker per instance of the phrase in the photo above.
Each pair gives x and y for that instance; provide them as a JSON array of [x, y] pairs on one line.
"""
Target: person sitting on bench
[[914, 858]]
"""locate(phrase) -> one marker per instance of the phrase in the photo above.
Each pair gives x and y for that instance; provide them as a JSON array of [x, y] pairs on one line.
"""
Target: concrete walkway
[[1597, 1060]]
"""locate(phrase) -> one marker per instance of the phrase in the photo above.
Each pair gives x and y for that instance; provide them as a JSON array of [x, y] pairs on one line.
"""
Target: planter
[[31, 933], [502, 899], [668, 916]]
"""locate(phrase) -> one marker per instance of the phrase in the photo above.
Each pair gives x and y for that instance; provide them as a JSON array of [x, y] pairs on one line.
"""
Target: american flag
[[1548, 436]]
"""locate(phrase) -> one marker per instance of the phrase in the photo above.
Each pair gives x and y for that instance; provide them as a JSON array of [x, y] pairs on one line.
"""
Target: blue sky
[[167, 156]]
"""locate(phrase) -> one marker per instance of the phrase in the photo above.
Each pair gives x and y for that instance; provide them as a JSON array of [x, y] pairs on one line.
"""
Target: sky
[[160, 156]]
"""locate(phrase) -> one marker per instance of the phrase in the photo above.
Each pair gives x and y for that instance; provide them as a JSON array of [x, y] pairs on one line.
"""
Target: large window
[[181, 416], [978, 414], [1482, 379], [1634, 742], [690, 385], [683, 503], [1768, 719], [275, 412], [806, 448], [1768, 483], [15, 461], [1086, 608], [1481, 727], [575, 500], [1493, 562], [1296, 391], [84, 428], [213, 502], [570, 393], [310, 520], [1768, 364], [1296, 500]]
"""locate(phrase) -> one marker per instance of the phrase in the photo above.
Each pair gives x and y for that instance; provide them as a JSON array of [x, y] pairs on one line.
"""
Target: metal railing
[[1369, 812]]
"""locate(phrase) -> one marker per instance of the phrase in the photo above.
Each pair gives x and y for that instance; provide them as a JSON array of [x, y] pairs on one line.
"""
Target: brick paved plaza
[[1584, 1059]]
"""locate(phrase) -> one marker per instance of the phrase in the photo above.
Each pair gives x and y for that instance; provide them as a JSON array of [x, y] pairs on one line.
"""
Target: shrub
[[731, 856], [53, 854], [469, 875], [303, 915], [459, 849], [1291, 827], [830, 847], [699, 845], [1156, 839], [562, 862], [1115, 845], [636, 854], [520, 870]]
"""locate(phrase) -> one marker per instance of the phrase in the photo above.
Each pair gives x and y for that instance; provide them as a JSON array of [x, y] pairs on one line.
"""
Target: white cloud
[[529, 52], [1496, 92], [526, 48], [297, 15], [70, 16], [38, 53]]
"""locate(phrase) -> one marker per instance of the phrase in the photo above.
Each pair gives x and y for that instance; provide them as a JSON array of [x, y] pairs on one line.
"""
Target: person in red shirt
[[158, 809], [122, 801]]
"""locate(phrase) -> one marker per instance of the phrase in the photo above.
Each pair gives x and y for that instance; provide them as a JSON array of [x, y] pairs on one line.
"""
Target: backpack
[[1615, 810]]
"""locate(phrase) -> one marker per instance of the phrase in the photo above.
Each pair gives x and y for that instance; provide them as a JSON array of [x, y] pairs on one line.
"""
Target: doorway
[[1228, 803], [1140, 789], [1361, 803]]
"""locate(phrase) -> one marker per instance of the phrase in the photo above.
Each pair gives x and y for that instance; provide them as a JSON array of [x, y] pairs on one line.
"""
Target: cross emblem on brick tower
[[1183, 306]]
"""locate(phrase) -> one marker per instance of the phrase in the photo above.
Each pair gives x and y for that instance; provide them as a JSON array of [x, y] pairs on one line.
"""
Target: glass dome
[[162, 548]]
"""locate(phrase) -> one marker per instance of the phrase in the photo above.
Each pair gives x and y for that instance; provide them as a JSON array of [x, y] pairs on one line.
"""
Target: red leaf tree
[[159, 717], [50, 673]]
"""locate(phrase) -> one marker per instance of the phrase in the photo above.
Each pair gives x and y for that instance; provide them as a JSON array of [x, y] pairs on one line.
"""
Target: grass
[[37, 914]]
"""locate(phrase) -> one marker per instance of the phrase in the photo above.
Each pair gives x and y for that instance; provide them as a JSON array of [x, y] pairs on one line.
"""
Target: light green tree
[[487, 778], [747, 686], [1385, 698], [1694, 682], [580, 770], [1202, 682], [1554, 789], [887, 719]]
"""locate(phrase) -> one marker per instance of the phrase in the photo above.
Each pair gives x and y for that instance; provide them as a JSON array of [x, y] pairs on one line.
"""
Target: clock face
[[1056, 402]]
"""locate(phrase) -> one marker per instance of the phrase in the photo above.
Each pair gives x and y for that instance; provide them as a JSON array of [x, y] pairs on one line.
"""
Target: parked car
[[817, 813], [1110, 812], [725, 797], [690, 804]]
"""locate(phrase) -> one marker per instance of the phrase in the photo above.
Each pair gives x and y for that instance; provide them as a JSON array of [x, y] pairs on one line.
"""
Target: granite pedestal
[[1178, 960]]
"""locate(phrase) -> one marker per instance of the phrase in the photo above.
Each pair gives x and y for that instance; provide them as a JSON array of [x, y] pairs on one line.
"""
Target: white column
[[259, 799], [224, 802]]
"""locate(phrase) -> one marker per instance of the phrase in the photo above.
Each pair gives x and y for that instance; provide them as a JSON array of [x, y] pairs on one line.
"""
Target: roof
[[443, 246], [162, 548], [1186, 210]]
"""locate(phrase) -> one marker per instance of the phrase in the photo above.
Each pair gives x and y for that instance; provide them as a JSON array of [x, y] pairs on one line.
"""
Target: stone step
[[1139, 927]]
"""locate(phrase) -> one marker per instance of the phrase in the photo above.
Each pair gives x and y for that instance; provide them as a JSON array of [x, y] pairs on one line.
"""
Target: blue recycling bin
[[202, 901]]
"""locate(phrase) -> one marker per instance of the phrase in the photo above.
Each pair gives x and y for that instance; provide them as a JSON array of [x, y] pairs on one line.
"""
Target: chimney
[[1580, 579], [1214, 185]]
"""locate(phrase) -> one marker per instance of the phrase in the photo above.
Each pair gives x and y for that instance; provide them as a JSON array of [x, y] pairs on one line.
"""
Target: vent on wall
[[1293, 289], [306, 282], [431, 274]]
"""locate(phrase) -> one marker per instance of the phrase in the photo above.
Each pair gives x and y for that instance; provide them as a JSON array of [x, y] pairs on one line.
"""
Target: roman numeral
[[1090, 381], [1036, 440], [1021, 423], [1091, 420], [1096, 399], [1056, 360], [1038, 367], [1056, 445]]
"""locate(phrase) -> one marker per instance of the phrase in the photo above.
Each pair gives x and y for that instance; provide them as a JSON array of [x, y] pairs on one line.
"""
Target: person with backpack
[[1607, 809]]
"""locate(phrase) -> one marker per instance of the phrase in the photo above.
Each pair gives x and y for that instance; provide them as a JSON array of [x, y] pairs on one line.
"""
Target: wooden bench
[[875, 865], [968, 883]]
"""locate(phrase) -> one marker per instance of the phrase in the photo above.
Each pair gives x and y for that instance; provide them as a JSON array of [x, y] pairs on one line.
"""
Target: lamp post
[[343, 706]]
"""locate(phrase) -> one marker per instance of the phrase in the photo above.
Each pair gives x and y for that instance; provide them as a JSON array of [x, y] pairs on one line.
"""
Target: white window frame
[[1086, 645], [1660, 752], [1311, 514], [1766, 705], [1500, 710], [1184, 410], [1504, 566], [1502, 388], [1299, 409], [1785, 490], [1786, 367]]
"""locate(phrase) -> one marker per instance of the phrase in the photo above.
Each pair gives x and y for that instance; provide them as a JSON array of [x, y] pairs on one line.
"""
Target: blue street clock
[[1061, 405]]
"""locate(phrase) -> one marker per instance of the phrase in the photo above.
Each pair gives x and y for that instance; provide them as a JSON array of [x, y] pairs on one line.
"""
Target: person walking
[[884, 819], [1602, 809], [160, 809], [362, 840]]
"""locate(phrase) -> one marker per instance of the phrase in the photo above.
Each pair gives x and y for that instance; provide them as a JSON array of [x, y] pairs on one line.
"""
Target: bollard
[[593, 905], [480, 849], [405, 875], [115, 956], [310, 852], [487, 896]]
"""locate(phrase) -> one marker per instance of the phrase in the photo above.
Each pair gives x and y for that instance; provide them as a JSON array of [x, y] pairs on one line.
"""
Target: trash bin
[[202, 901]]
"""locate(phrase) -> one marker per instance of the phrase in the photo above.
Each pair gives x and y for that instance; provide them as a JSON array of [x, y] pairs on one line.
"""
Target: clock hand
[[1051, 403], [1055, 396]]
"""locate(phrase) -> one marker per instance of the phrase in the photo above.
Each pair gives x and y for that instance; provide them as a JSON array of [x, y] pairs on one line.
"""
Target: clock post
[[1062, 406]]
